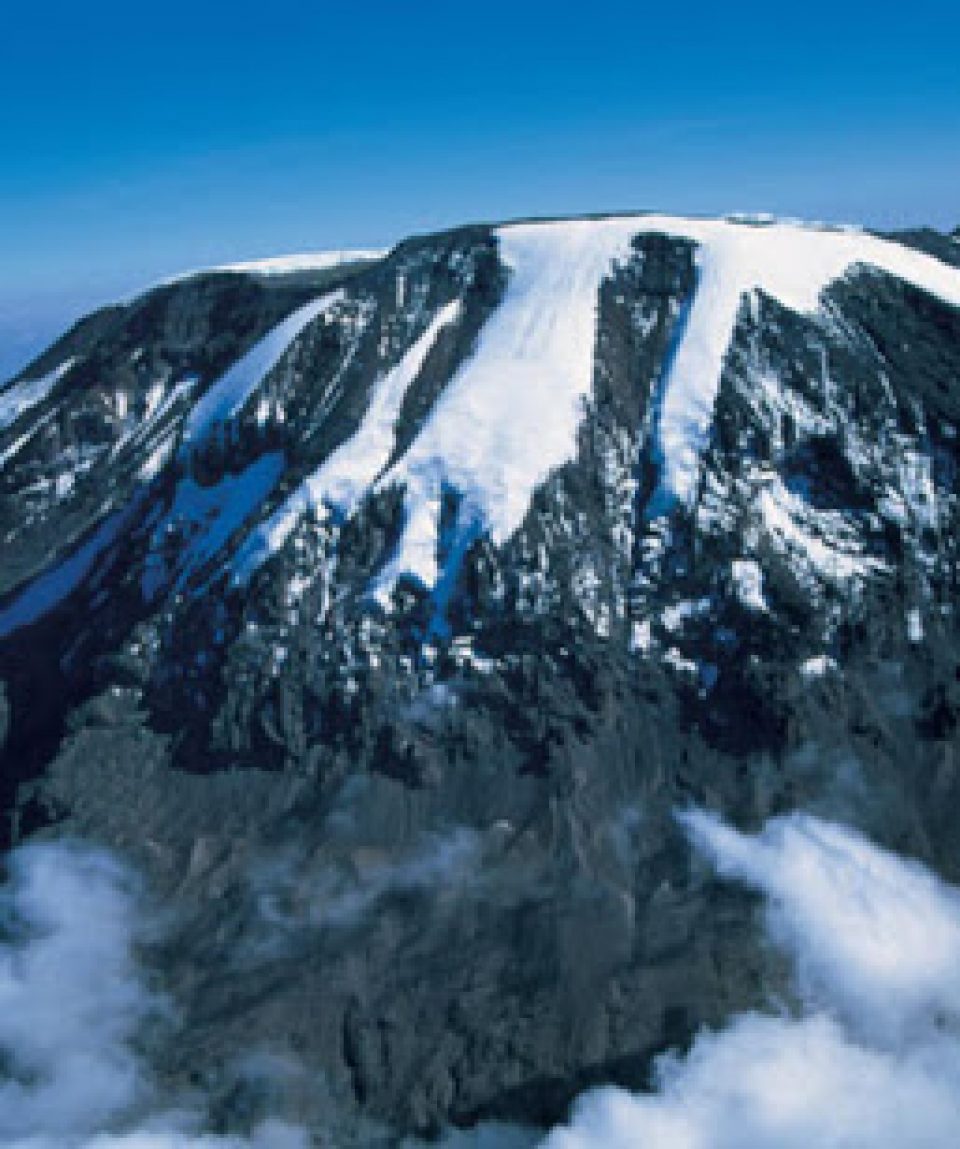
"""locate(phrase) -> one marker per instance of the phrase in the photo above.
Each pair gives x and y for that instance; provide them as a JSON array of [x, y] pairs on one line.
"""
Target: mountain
[[385, 609]]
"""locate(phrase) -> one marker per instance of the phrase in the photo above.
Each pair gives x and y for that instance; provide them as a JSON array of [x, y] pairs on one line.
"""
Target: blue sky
[[141, 139]]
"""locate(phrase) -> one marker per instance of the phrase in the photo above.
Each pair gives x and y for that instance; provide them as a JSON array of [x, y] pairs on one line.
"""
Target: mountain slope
[[386, 611]]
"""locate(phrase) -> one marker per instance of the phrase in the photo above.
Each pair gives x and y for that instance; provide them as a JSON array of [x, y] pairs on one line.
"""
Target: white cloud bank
[[872, 1061], [72, 1000]]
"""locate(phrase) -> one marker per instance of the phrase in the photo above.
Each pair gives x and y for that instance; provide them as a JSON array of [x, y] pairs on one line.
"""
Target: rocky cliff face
[[384, 613]]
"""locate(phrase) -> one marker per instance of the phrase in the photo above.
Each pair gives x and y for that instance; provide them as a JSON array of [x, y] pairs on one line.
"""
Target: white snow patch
[[781, 403], [21, 441], [822, 540], [280, 264], [156, 460], [346, 476], [511, 413], [306, 261], [463, 654], [153, 398], [747, 580], [227, 396], [28, 393], [816, 667], [158, 407], [914, 625], [914, 489], [684, 667], [641, 636], [792, 263], [676, 614]]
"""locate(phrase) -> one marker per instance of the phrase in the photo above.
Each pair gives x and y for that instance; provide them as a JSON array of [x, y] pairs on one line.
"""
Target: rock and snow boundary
[[510, 415]]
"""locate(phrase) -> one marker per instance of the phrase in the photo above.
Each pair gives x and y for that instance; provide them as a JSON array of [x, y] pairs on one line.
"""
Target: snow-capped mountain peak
[[457, 572]]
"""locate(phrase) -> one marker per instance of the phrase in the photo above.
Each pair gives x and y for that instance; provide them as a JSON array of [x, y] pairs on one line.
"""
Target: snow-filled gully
[[510, 415]]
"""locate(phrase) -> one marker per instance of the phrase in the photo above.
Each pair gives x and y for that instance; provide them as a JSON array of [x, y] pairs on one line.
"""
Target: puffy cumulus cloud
[[874, 936], [72, 1002], [871, 1060], [70, 997], [772, 1083]]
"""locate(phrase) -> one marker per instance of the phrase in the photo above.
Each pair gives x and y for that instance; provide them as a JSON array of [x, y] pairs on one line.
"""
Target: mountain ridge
[[926, 239], [557, 527]]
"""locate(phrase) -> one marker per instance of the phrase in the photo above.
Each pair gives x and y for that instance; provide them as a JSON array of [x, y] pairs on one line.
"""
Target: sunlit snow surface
[[295, 263], [345, 477], [793, 264], [227, 396], [308, 261], [511, 413], [510, 416]]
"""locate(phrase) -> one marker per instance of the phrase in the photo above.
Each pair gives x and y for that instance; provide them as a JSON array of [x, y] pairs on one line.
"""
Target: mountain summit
[[384, 608]]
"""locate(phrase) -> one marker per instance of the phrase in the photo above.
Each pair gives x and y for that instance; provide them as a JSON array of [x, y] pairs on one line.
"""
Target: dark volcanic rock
[[417, 836]]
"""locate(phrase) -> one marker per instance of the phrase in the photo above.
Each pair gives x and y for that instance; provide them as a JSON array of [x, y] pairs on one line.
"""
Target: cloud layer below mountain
[[870, 1056], [73, 1001], [866, 1055]]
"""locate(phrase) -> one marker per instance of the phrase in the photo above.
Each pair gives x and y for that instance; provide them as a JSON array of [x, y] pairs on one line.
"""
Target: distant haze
[[142, 145], [27, 326]]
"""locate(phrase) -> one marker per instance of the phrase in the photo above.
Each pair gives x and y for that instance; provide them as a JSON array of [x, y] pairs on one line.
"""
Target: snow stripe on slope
[[511, 413], [346, 476], [230, 392], [19, 443], [22, 396], [791, 263]]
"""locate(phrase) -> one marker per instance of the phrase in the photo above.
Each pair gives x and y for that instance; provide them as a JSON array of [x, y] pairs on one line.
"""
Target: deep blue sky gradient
[[139, 139]]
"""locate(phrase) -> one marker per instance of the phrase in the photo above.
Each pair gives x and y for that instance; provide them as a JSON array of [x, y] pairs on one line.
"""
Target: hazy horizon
[[141, 146]]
